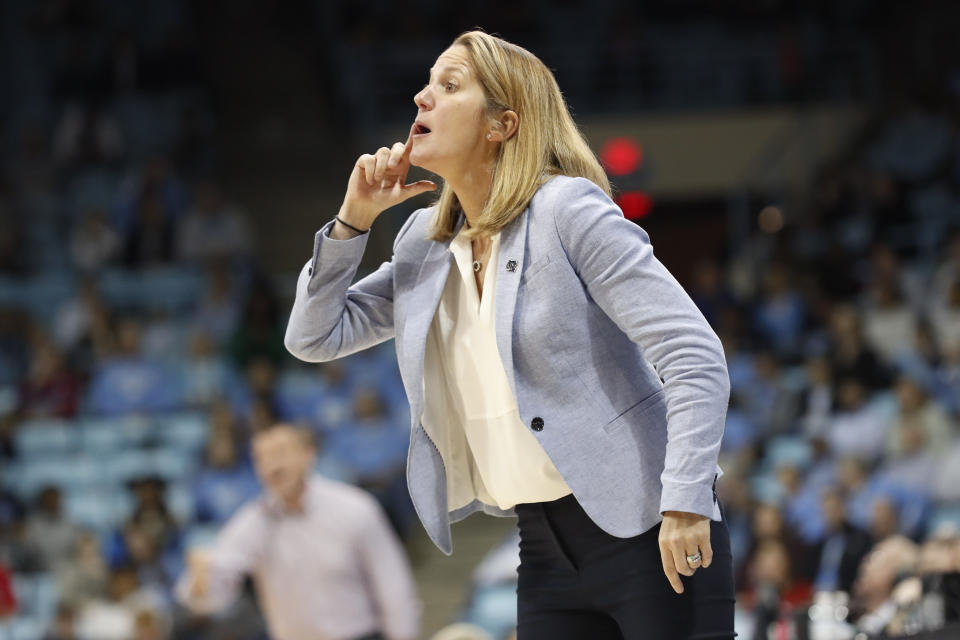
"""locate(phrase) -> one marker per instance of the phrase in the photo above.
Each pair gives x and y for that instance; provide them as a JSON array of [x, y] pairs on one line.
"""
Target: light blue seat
[[103, 436], [171, 288], [942, 514], [124, 431], [180, 500], [132, 385], [173, 464], [36, 595], [792, 450], [493, 609], [39, 437], [11, 477], [11, 290], [300, 395], [101, 509], [43, 293], [62, 472], [23, 628], [127, 465], [199, 535], [185, 431], [335, 413]]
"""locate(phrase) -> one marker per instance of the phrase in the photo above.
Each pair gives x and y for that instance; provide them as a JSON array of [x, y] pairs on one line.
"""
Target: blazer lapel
[[429, 287], [427, 290], [509, 267]]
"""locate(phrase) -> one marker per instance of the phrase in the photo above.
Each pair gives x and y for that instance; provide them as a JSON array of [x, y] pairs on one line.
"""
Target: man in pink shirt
[[325, 563]]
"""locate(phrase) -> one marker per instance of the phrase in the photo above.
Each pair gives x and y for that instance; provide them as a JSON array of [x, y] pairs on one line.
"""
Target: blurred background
[[164, 165]]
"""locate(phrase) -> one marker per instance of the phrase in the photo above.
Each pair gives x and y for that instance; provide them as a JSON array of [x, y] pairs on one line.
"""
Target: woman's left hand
[[681, 535]]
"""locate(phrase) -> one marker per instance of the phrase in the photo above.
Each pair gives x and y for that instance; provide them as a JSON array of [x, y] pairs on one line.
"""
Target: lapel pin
[[511, 265]]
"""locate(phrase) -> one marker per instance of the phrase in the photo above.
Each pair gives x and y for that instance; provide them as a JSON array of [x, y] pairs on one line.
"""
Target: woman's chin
[[423, 160], [419, 159]]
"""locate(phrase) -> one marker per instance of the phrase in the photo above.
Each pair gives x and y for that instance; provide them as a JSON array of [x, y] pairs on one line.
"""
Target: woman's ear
[[504, 127], [509, 121]]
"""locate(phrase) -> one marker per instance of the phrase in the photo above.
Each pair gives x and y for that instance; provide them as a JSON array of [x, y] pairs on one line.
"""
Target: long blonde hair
[[547, 141]]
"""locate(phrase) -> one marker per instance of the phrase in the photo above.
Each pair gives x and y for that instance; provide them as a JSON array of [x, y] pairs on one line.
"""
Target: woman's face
[[451, 125]]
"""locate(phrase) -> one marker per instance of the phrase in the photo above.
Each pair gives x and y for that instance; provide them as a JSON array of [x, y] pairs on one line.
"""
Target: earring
[[489, 136]]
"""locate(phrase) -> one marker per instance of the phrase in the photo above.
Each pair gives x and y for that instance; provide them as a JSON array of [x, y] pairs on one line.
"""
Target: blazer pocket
[[636, 412], [534, 268]]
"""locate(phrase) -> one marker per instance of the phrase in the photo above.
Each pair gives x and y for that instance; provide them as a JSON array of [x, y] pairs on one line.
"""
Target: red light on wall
[[635, 204], [621, 156]]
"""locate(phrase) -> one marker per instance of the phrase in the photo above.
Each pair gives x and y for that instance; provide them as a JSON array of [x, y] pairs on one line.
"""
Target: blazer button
[[309, 271], [537, 424]]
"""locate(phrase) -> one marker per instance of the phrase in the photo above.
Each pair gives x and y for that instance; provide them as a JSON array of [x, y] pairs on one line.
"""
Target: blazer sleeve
[[331, 318], [614, 259]]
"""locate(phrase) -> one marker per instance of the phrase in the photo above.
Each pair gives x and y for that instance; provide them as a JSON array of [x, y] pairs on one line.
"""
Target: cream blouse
[[469, 407]]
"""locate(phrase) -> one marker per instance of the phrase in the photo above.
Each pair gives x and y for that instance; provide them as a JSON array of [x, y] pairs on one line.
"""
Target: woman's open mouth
[[420, 130]]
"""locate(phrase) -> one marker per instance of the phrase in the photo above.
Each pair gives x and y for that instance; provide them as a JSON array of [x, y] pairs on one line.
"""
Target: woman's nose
[[420, 99]]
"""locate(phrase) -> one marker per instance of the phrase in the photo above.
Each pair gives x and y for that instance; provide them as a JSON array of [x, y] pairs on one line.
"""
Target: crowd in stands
[[141, 344], [842, 444]]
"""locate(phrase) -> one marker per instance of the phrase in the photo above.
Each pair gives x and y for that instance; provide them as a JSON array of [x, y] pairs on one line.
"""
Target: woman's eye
[[450, 86]]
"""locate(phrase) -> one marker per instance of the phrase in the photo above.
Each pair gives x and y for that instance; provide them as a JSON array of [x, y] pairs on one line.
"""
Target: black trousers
[[576, 581]]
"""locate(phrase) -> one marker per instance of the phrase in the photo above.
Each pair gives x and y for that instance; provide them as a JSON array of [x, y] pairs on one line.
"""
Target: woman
[[555, 369]]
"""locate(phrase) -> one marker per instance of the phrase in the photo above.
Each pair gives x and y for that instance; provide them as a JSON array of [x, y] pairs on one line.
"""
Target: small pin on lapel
[[511, 265]]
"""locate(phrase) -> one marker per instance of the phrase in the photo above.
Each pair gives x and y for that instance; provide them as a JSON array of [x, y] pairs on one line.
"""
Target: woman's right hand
[[378, 181]]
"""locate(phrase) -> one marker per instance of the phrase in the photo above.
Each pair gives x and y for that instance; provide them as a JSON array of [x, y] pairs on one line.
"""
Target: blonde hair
[[547, 141]]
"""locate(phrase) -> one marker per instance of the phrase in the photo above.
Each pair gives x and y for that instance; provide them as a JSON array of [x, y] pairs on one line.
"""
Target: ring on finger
[[694, 559]]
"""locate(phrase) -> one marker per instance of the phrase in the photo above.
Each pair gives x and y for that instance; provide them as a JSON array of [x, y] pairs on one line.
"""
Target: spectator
[[885, 518], [50, 390], [126, 381], [49, 529], [114, 617], [321, 553], [226, 482], [83, 577], [374, 446], [151, 515], [8, 601], [374, 449], [851, 357], [218, 311], [260, 331], [889, 323], [770, 403], [946, 275], [93, 243], [878, 574], [13, 256], [838, 555], [768, 526], [945, 318], [212, 229], [87, 135], [854, 483], [149, 241], [774, 592], [817, 397], [709, 292], [780, 314], [920, 423], [64, 625], [860, 425], [157, 180], [80, 322], [147, 625]]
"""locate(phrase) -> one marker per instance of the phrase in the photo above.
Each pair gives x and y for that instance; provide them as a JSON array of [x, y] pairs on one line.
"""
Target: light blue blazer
[[613, 367]]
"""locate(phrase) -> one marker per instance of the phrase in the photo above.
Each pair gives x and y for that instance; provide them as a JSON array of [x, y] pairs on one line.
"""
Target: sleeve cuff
[[691, 498], [329, 249]]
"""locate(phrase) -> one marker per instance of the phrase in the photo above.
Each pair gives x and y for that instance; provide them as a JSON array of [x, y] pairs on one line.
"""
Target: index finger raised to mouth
[[408, 145]]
